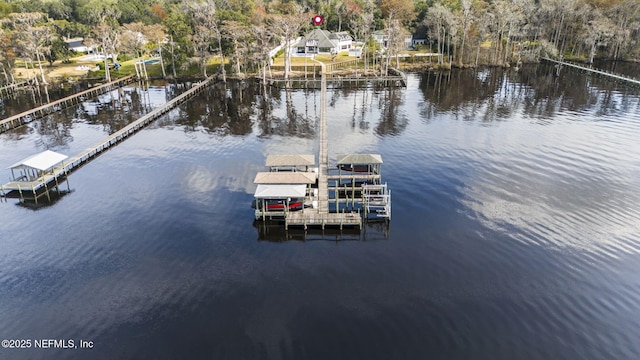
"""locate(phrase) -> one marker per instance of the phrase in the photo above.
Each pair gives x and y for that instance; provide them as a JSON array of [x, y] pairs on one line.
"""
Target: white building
[[319, 41], [77, 44], [381, 37]]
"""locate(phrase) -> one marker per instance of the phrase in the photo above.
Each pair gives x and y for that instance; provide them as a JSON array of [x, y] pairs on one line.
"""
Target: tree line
[[240, 33]]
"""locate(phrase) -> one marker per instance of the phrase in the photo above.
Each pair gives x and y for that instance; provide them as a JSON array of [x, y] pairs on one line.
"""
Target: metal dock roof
[[359, 159], [286, 177], [291, 160]]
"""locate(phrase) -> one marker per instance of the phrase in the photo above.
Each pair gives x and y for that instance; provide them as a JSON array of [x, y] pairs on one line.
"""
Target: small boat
[[355, 167], [281, 204]]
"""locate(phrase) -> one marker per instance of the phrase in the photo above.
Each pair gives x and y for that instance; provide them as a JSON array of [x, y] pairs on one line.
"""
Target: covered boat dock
[[285, 194], [35, 176], [290, 162]]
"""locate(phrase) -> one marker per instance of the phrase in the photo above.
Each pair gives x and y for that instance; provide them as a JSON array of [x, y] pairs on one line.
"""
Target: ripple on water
[[510, 239]]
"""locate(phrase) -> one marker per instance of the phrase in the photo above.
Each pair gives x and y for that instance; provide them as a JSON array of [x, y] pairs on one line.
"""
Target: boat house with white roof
[[34, 176]]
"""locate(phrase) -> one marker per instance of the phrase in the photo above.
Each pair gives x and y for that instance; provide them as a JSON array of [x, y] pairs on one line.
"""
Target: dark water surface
[[515, 231]]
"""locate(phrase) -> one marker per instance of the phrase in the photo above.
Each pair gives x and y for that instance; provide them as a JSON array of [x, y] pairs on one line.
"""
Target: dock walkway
[[41, 111], [90, 153], [596, 71], [311, 217], [323, 157]]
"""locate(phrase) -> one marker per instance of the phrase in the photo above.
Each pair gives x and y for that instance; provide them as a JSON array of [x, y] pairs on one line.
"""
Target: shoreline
[[62, 77]]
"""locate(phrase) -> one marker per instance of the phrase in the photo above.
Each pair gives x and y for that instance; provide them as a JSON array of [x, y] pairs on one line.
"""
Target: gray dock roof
[[291, 160], [286, 177], [322, 38], [359, 159]]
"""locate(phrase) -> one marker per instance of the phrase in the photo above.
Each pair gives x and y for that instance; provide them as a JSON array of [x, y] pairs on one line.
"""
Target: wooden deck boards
[[312, 217], [323, 159]]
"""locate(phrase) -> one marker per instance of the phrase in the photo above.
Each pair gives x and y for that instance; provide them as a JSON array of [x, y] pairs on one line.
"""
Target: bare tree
[[7, 56], [598, 31], [288, 27], [107, 33], [156, 36], [440, 22], [238, 34], [508, 18], [396, 13], [366, 19], [467, 19], [207, 28], [625, 16], [134, 41], [32, 36], [264, 40]]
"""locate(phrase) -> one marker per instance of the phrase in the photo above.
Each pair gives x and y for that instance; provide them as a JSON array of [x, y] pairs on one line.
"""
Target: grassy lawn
[[327, 59], [72, 69]]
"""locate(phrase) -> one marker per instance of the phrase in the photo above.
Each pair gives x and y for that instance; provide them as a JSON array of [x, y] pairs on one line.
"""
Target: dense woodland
[[240, 33]]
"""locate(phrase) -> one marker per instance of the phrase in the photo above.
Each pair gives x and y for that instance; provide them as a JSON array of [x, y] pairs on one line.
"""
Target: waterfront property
[[319, 41]]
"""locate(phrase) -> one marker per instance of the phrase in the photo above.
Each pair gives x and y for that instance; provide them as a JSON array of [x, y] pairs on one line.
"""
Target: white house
[[381, 37], [77, 44], [319, 41]]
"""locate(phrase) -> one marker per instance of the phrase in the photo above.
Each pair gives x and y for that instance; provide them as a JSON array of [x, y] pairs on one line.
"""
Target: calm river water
[[515, 231]]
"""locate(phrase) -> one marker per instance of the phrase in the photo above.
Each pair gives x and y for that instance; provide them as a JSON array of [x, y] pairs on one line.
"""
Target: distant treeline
[[240, 33]]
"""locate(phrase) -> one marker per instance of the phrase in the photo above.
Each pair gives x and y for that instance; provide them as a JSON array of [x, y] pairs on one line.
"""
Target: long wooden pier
[[88, 154], [41, 111], [596, 71], [323, 157]]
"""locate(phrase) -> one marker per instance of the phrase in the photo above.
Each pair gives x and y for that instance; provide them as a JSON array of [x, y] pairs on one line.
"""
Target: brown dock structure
[[33, 182], [26, 117], [299, 194]]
